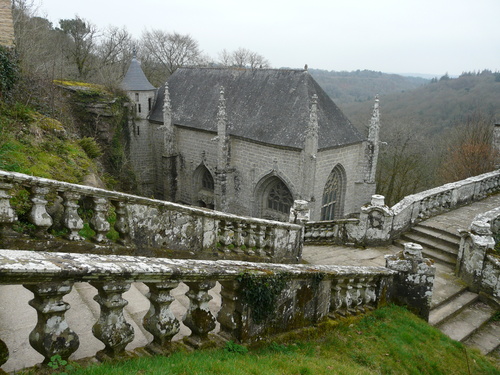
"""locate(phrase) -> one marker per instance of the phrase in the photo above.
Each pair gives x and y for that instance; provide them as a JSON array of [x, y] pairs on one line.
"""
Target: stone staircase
[[456, 311], [438, 244]]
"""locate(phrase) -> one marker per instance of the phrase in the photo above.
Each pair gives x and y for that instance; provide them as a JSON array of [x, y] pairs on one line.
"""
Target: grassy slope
[[387, 341], [37, 145]]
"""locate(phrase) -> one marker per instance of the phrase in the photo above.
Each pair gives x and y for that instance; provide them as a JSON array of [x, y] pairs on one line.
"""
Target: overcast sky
[[393, 36]]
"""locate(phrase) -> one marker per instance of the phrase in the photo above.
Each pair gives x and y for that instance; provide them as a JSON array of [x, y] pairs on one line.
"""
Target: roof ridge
[[244, 69]]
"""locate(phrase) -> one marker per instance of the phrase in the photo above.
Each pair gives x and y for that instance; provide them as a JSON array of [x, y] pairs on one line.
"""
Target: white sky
[[392, 36]]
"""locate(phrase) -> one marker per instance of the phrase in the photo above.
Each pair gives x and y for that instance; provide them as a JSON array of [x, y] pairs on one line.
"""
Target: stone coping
[[28, 267]]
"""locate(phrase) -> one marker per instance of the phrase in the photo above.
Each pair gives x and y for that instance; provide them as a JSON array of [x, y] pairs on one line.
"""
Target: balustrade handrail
[[24, 179], [379, 224], [145, 226], [308, 295], [449, 187], [28, 267]]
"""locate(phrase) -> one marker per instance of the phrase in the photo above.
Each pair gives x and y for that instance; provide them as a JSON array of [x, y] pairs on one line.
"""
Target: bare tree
[[113, 54], [470, 150], [168, 50], [37, 43], [243, 58], [406, 162]]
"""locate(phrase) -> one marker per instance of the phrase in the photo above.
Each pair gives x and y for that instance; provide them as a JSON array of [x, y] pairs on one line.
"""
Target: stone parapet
[[257, 299], [413, 284], [379, 224], [142, 226], [478, 263]]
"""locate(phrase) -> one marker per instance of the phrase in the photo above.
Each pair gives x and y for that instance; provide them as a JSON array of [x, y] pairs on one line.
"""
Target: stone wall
[[6, 24], [350, 158]]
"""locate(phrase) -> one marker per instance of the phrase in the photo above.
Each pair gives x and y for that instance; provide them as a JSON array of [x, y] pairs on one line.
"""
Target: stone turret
[[145, 141], [140, 91]]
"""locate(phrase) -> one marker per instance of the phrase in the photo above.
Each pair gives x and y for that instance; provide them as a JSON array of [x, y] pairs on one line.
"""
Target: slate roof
[[135, 79], [265, 105]]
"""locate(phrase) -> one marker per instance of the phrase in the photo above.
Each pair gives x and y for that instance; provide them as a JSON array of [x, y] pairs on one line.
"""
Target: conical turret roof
[[135, 79]]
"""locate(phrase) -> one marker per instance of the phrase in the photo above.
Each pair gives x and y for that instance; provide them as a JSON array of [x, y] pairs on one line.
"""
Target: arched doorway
[[332, 204]]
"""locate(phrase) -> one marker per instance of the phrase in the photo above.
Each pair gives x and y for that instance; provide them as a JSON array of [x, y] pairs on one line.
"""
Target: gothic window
[[204, 187], [273, 199], [136, 96], [279, 198], [331, 205], [139, 107], [207, 181]]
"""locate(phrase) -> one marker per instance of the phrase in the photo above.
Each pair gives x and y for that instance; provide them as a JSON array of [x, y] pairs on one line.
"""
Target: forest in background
[[432, 131]]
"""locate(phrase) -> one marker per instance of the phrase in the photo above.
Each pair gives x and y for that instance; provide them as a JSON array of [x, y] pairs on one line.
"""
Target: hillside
[[435, 106], [362, 85]]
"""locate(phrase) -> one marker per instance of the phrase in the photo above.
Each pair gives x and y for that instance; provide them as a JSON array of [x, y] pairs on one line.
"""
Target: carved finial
[[312, 128], [167, 107]]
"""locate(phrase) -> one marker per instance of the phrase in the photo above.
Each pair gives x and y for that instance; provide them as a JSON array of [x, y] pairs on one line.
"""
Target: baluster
[[336, 297], [52, 335], [121, 223], [7, 213], [249, 238], [226, 236], [358, 295], [71, 219], [370, 295], [239, 238], [230, 313], [98, 222], [348, 296], [269, 242], [4, 353], [253, 239], [159, 320], [38, 214], [198, 317], [112, 328]]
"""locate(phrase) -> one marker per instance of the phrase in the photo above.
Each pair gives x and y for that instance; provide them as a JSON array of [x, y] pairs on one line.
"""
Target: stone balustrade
[[379, 224], [478, 263], [288, 297], [142, 226]]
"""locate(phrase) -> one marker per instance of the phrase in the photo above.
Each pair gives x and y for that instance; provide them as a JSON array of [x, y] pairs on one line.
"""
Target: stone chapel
[[248, 142]]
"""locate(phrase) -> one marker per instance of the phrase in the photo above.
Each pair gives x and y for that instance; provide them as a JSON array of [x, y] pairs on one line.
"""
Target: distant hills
[[362, 85], [434, 105]]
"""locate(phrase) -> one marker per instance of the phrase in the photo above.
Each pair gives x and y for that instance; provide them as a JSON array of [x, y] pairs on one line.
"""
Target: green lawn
[[387, 341]]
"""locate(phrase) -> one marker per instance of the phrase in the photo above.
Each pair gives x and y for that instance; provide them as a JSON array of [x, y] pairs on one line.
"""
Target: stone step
[[487, 338], [430, 243], [437, 255], [451, 307], [446, 285], [468, 321], [451, 235], [439, 235]]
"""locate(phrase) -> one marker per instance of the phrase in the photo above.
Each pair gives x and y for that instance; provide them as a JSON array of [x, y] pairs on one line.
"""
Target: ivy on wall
[[9, 71]]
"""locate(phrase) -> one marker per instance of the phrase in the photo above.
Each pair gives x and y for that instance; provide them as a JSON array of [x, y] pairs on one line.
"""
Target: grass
[[36, 145], [387, 341]]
